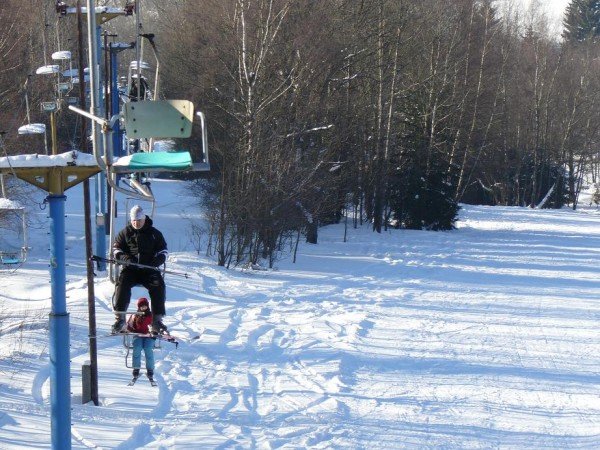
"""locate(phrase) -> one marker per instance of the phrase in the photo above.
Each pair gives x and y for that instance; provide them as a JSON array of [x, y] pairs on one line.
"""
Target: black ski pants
[[150, 279]]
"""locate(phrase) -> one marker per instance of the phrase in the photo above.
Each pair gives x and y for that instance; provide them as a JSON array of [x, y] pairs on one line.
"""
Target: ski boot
[[157, 327], [135, 375], [150, 374], [118, 325]]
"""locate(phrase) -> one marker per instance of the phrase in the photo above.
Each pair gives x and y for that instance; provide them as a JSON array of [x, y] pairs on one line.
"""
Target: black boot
[[150, 374], [136, 373], [119, 324], [158, 327]]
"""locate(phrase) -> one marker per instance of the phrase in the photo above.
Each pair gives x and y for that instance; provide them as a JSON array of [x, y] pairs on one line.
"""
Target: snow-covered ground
[[484, 337]]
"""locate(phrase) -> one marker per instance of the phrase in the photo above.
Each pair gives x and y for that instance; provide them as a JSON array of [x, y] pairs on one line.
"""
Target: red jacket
[[139, 323]]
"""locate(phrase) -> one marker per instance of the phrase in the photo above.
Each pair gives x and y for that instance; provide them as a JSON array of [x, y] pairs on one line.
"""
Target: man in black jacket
[[140, 243]]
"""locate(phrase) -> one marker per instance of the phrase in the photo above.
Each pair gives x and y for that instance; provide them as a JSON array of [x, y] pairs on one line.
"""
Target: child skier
[[139, 323]]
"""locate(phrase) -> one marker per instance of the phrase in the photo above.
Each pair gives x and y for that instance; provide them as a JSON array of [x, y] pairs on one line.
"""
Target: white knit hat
[[136, 213]]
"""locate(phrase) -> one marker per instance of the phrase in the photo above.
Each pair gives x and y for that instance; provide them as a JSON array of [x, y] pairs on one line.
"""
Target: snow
[[123, 161], [32, 128], [483, 337], [6, 204], [48, 70], [71, 158], [164, 145], [61, 55]]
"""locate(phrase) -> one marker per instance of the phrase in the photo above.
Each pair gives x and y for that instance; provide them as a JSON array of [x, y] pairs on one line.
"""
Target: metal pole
[[88, 226], [2, 187], [114, 92], [138, 53], [60, 366], [45, 141], [95, 110], [101, 187], [53, 133]]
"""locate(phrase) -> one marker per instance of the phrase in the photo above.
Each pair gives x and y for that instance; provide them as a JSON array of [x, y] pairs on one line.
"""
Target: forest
[[382, 112]]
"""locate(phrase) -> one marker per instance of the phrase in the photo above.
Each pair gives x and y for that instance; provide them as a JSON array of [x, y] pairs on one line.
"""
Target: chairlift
[[64, 87], [48, 70], [50, 107], [75, 80], [145, 119], [137, 84], [63, 55], [143, 93], [34, 128], [133, 65], [70, 73], [128, 344], [164, 118], [13, 253]]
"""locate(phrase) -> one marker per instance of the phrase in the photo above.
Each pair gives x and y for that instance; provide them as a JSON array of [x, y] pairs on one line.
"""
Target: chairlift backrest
[[11, 254], [159, 119]]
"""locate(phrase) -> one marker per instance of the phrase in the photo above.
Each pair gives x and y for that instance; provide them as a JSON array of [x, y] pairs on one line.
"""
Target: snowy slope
[[484, 337]]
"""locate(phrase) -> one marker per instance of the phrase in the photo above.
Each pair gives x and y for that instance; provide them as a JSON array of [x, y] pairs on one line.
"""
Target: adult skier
[[139, 243]]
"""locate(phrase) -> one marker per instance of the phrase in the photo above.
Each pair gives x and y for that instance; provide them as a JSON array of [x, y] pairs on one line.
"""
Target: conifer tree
[[582, 20]]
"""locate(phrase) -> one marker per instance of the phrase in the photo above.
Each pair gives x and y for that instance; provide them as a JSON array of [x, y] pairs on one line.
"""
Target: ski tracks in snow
[[434, 342], [265, 370]]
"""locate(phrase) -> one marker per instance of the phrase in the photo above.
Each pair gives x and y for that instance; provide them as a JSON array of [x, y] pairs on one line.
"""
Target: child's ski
[[133, 380]]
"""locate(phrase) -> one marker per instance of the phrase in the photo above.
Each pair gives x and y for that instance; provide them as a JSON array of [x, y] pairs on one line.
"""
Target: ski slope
[[483, 337]]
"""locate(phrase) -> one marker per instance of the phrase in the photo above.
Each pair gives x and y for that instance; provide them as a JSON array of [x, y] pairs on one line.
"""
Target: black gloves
[[125, 257], [158, 260]]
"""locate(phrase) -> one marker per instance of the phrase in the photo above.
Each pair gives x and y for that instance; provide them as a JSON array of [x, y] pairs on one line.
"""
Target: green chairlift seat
[[154, 162], [10, 258]]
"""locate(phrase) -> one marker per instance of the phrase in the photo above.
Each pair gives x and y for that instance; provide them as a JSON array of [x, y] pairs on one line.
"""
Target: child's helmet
[[142, 301]]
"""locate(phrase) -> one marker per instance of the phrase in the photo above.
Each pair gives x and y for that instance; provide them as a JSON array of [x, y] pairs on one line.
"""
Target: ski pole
[[96, 258]]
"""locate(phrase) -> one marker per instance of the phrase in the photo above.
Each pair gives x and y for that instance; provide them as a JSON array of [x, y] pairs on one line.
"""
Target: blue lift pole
[[55, 180], [117, 135], [60, 367]]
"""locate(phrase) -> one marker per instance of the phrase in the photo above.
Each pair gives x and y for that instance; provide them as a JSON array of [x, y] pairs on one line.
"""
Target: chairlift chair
[[63, 57], [10, 253], [147, 119], [128, 344], [35, 128]]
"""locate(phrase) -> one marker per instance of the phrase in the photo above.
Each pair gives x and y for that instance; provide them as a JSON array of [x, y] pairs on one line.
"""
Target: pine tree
[[582, 21]]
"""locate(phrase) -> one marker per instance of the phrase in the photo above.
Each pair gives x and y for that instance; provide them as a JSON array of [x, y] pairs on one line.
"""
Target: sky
[[557, 7], [554, 7], [481, 337]]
